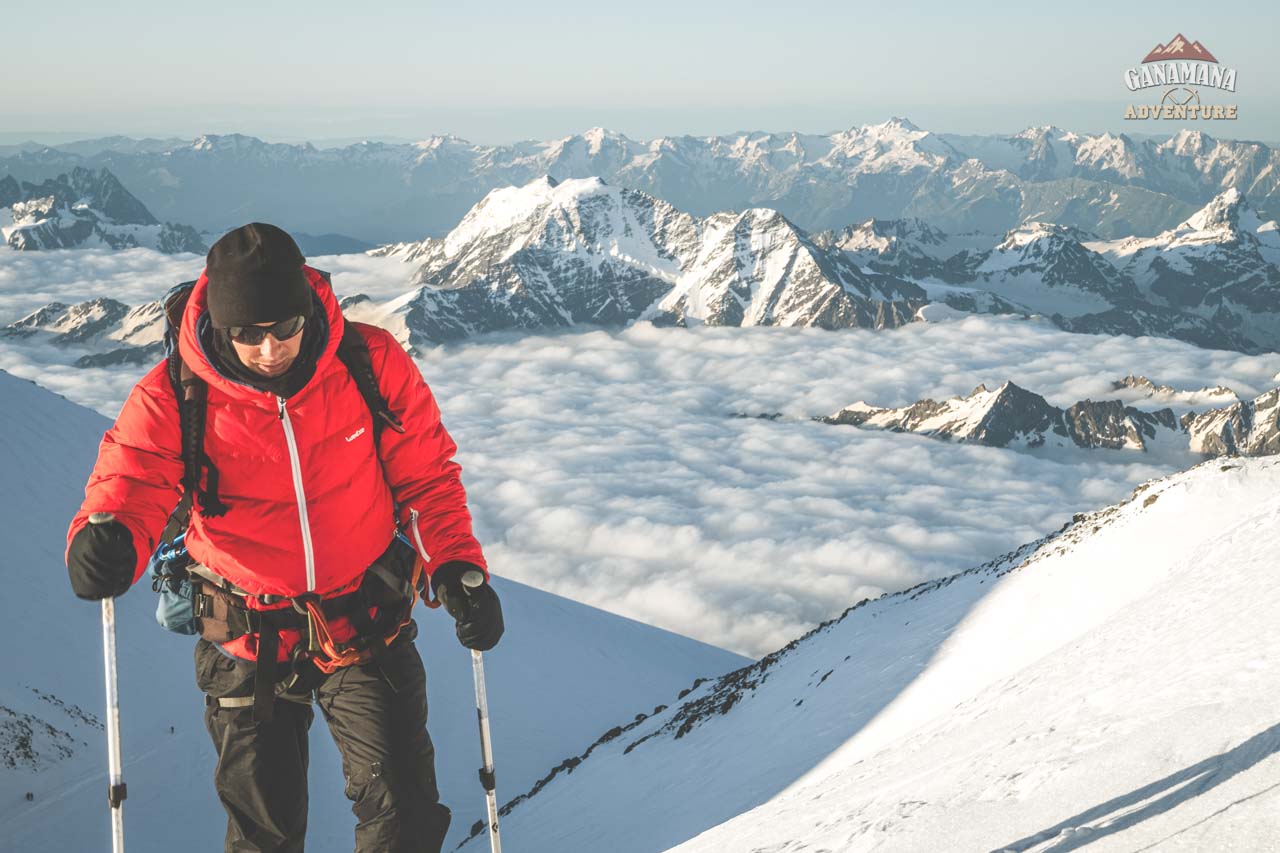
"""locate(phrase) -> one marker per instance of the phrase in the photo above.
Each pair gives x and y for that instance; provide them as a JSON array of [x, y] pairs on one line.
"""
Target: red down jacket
[[289, 529]]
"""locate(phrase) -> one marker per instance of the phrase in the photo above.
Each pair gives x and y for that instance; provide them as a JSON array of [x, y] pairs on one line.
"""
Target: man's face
[[270, 358]]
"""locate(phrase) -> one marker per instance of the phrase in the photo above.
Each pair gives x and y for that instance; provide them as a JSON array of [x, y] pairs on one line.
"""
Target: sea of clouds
[[608, 465]]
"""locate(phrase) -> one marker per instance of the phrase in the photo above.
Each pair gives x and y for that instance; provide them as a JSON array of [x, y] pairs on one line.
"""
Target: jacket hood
[[197, 313]]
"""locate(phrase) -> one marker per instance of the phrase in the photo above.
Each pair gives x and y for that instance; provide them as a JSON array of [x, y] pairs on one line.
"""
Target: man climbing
[[297, 515]]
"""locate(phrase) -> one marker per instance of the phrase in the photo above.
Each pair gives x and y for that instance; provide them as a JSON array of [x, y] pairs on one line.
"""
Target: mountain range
[[85, 209], [553, 254], [1011, 416], [1110, 185]]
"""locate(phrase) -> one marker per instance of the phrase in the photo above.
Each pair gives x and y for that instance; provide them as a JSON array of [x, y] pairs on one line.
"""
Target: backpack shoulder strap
[[353, 351], [191, 394]]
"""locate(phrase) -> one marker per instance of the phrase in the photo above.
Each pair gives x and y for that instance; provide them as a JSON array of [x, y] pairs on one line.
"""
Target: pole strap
[[116, 794]]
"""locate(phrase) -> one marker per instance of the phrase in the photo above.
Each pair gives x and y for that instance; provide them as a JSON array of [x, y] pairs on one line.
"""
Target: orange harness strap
[[329, 656]]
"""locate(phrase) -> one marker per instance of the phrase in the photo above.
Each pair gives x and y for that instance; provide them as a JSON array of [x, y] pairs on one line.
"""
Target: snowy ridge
[[1028, 704]]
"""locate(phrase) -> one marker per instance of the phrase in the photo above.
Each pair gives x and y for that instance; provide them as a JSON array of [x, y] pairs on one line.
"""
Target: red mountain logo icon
[[1179, 48]]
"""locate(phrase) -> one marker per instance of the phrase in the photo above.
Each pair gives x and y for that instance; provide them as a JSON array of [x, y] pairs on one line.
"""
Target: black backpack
[[192, 395]]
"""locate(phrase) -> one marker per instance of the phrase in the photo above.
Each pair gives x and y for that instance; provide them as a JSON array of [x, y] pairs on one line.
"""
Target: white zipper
[[417, 537], [307, 552]]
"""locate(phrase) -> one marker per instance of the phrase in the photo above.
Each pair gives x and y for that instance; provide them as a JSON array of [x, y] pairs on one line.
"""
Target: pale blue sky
[[510, 70]]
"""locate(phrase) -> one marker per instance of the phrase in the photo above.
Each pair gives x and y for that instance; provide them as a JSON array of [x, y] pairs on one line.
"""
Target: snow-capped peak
[[895, 145], [1188, 142], [1033, 231], [597, 137], [1221, 213], [1109, 153], [509, 207], [898, 123]]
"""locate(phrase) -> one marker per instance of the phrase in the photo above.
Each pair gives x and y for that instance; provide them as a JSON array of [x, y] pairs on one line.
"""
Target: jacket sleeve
[[425, 481], [138, 474]]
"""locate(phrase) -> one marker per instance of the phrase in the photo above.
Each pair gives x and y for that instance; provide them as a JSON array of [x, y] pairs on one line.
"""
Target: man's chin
[[272, 371]]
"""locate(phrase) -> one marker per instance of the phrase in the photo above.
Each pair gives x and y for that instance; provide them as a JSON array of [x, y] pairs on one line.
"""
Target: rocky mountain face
[[1109, 185], [552, 254], [115, 333], [1220, 265], [1147, 389], [757, 269], [910, 248], [84, 208], [1011, 416], [1245, 428], [1213, 280]]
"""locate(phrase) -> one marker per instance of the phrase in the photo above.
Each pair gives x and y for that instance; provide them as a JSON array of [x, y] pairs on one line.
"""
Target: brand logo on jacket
[[1182, 68], [356, 434]]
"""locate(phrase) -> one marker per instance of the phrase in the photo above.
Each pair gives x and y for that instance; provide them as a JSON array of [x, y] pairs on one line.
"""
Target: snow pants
[[377, 715]]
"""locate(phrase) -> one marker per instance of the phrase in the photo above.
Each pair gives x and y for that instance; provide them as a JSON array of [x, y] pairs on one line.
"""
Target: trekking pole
[[488, 779], [116, 789]]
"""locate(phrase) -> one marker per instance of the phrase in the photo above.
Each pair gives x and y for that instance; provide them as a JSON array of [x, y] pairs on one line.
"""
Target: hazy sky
[[512, 70]]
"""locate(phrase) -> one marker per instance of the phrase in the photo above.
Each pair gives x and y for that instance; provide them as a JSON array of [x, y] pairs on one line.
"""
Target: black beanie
[[255, 276]]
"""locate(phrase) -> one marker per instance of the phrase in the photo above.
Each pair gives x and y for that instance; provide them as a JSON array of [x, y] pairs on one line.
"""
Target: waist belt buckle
[[302, 604]]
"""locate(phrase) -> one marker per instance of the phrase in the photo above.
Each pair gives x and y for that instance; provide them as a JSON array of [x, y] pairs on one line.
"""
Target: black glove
[[476, 609], [101, 559]]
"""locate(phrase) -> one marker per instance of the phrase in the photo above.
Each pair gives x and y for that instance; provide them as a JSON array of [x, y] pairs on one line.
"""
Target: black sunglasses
[[254, 335]]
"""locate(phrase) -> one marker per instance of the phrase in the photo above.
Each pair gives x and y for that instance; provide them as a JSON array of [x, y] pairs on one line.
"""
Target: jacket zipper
[[307, 552], [417, 537]]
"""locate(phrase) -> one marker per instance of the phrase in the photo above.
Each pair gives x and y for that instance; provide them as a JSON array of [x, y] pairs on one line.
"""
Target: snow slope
[[1114, 685], [563, 672]]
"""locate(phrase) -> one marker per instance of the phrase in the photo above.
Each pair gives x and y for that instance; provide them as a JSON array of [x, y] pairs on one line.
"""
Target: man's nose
[[269, 346]]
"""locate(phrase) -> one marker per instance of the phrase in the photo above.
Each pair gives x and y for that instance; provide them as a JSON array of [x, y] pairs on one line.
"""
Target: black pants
[[377, 714]]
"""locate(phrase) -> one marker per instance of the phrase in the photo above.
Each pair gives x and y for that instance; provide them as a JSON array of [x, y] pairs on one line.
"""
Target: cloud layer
[[606, 466]]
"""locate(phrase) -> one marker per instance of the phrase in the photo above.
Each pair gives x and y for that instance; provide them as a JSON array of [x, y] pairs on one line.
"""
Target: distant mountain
[[330, 244], [910, 248], [553, 254], [118, 334], [1213, 280], [1149, 390], [82, 209], [1245, 428], [1220, 265], [1011, 416], [1113, 186]]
